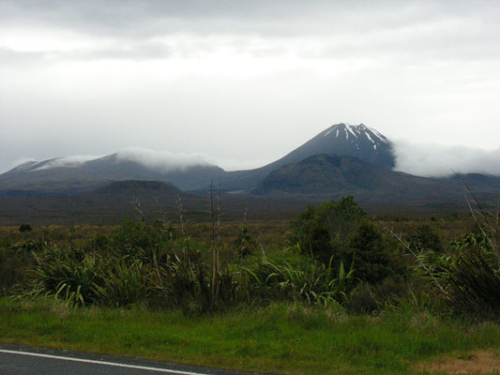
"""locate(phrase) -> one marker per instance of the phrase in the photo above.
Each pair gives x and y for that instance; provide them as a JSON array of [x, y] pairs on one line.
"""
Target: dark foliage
[[374, 256], [25, 228], [425, 237], [245, 242], [475, 282], [322, 231]]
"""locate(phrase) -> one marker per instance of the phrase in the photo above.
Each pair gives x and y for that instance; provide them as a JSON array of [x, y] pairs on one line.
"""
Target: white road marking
[[104, 363]]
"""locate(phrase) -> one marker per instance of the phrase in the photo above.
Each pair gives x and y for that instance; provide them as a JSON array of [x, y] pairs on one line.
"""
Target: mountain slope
[[342, 139], [335, 176], [351, 140], [62, 177], [135, 188]]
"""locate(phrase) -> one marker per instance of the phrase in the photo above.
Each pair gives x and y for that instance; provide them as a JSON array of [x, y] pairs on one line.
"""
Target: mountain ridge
[[70, 175], [74, 175]]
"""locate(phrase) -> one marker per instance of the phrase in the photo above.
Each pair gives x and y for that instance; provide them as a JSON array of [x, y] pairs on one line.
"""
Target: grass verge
[[281, 338]]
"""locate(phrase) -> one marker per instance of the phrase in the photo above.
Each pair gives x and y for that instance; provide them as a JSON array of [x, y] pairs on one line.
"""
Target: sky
[[242, 83]]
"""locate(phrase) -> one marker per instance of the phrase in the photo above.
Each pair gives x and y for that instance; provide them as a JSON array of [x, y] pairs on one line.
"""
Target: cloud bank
[[421, 159], [155, 160], [163, 160], [434, 160]]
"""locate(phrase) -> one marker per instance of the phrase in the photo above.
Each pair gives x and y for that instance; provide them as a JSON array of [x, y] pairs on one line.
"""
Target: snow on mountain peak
[[347, 130]]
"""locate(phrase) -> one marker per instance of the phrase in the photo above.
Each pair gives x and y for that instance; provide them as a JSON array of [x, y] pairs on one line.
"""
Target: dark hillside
[[337, 176]]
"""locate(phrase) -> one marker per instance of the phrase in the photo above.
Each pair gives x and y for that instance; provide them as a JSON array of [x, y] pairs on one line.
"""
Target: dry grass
[[478, 362]]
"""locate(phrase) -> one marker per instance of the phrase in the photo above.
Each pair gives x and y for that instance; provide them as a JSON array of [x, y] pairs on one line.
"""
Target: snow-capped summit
[[355, 131], [351, 140]]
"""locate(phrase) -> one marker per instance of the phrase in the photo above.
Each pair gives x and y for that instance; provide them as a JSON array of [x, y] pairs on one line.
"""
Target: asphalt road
[[24, 360]]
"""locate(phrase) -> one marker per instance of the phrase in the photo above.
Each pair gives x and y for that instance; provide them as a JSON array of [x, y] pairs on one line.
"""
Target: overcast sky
[[245, 82]]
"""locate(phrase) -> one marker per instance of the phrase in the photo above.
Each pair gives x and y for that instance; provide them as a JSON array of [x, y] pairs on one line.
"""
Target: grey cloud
[[279, 17], [11, 57], [162, 160], [409, 31], [123, 51], [156, 160], [68, 161]]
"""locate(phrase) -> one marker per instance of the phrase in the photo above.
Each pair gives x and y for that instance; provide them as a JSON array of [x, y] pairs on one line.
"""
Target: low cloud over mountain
[[433, 160], [163, 160]]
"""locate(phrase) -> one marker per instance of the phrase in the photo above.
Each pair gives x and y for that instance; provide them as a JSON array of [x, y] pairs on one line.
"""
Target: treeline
[[336, 257]]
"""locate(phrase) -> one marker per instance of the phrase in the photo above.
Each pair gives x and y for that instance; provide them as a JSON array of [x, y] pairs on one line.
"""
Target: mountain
[[342, 139], [342, 160], [63, 176], [359, 141], [331, 176]]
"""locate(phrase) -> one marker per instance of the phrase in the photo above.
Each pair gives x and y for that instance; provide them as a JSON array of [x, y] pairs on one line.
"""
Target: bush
[[25, 228], [340, 231], [423, 238], [314, 283], [152, 242], [374, 257], [69, 274], [321, 232]]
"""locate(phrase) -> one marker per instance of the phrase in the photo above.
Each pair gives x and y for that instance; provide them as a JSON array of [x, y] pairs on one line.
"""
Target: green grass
[[286, 339]]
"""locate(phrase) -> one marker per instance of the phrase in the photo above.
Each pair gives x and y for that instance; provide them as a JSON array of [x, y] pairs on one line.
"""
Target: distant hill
[[333, 176], [112, 203], [64, 178], [342, 139], [122, 200]]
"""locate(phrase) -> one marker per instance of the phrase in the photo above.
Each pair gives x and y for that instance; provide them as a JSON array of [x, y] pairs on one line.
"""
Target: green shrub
[[25, 228], [151, 242], [322, 231], [125, 284], [425, 237], [374, 256], [69, 274], [315, 283]]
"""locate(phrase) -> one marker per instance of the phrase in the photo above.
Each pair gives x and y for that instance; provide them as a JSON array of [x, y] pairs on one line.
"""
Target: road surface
[[24, 360]]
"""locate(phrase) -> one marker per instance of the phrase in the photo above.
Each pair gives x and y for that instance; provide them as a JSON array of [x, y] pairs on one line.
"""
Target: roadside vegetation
[[332, 291]]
